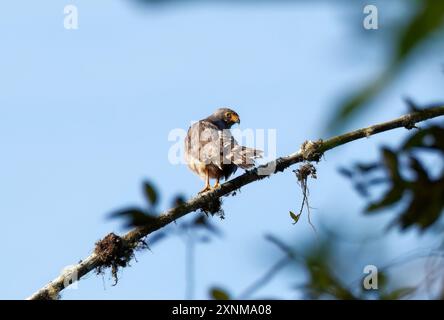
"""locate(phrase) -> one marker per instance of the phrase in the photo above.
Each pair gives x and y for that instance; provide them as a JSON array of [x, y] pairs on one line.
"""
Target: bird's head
[[227, 116]]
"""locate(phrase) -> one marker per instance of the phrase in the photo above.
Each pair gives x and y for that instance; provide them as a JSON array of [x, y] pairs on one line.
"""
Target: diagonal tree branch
[[310, 151]]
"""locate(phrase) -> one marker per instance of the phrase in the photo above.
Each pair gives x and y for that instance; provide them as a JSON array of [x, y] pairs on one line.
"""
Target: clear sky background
[[85, 117]]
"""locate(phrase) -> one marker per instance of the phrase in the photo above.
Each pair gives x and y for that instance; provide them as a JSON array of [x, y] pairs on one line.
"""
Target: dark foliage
[[406, 178]]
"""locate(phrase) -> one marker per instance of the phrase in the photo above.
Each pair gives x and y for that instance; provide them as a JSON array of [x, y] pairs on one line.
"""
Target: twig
[[309, 152], [274, 270], [262, 281], [302, 174]]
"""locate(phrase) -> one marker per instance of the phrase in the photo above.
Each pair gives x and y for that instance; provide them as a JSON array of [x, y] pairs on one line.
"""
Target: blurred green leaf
[[390, 159], [421, 173], [398, 293], [219, 294], [423, 193], [367, 167], [322, 280], [178, 200], [346, 172], [429, 138], [150, 193], [398, 185], [390, 198], [427, 19], [426, 205], [134, 216], [355, 102], [382, 280]]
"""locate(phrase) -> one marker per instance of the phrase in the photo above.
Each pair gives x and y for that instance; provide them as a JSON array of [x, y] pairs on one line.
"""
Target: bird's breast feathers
[[208, 148]]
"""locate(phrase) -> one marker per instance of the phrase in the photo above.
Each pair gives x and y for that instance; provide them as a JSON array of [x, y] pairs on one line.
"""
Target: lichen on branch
[[310, 151]]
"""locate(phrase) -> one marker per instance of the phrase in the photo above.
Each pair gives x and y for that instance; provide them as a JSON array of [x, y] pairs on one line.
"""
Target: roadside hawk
[[212, 152]]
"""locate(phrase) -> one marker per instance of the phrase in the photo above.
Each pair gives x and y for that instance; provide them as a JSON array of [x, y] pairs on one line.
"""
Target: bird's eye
[[228, 115]]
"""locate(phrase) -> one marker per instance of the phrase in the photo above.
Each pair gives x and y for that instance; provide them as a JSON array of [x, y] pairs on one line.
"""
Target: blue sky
[[85, 117]]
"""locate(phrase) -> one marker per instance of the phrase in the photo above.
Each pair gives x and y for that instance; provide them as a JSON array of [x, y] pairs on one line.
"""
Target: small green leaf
[[219, 294], [295, 217], [150, 193]]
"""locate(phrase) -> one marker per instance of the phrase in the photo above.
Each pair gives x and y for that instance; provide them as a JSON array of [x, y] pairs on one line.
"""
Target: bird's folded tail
[[244, 157]]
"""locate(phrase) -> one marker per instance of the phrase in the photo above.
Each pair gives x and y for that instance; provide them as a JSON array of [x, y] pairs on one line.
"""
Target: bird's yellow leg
[[207, 183], [217, 184]]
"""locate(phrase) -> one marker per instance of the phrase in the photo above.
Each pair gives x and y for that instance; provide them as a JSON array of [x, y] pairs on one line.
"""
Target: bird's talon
[[207, 188]]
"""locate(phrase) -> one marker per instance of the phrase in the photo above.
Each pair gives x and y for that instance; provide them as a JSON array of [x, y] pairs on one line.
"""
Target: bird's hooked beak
[[235, 118]]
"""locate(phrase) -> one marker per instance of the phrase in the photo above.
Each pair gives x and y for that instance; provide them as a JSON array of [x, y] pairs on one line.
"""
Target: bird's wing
[[224, 150], [204, 143]]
